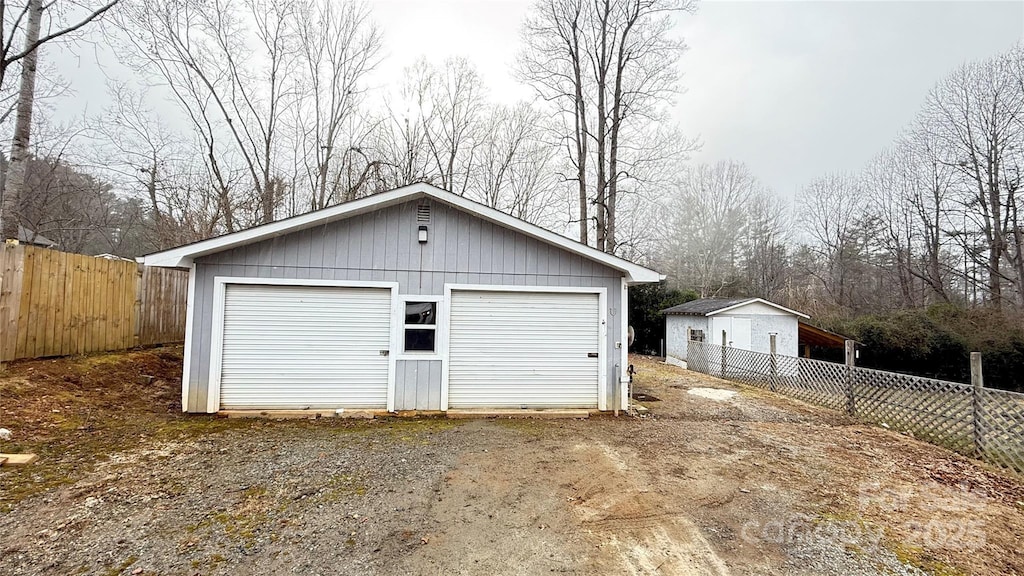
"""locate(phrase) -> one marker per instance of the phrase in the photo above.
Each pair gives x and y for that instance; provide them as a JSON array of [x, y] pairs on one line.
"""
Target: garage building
[[413, 299]]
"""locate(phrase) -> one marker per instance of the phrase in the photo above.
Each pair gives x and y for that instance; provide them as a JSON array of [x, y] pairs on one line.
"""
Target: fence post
[[977, 383], [724, 342], [774, 361], [851, 356]]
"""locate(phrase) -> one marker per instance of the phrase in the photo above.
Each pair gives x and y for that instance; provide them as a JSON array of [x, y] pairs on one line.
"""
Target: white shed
[[747, 323]]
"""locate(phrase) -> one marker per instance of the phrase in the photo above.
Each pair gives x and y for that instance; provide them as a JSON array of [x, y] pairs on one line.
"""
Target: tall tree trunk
[[10, 209], [997, 240], [162, 232], [617, 113], [581, 131], [581, 155], [601, 77]]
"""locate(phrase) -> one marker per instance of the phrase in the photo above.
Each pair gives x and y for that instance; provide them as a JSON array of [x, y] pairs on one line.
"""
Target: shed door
[[737, 331], [524, 349], [295, 347], [741, 333]]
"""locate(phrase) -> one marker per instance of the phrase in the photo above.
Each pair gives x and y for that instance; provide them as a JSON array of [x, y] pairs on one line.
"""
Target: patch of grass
[[341, 486], [414, 429], [242, 523], [210, 564], [197, 425], [75, 412], [529, 426], [919, 558], [115, 570]]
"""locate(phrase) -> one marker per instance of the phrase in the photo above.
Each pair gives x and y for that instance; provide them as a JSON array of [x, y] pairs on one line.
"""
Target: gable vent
[[423, 213]]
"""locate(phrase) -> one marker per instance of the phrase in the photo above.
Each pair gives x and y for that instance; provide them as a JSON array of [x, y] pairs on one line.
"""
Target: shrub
[[646, 301], [937, 341]]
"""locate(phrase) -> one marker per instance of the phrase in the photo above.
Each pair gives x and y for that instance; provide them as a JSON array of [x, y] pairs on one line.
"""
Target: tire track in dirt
[[638, 529]]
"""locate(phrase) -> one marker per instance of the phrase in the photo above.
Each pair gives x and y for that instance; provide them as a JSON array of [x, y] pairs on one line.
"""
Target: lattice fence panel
[[748, 367], [980, 422], [1001, 428], [813, 381], [705, 358], [934, 410]]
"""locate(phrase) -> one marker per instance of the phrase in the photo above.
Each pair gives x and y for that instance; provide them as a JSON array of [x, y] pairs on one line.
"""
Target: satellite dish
[[632, 335]]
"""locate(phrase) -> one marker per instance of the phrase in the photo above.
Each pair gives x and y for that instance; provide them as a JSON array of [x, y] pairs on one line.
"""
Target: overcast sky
[[794, 89]]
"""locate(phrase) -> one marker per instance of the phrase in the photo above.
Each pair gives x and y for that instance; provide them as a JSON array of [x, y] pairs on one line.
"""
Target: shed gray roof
[[704, 306], [711, 306], [26, 236]]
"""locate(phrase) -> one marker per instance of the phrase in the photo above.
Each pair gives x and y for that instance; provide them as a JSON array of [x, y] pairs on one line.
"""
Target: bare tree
[[610, 65], [831, 208], [975, 116], [24, 22], [707, 219], [514, 171], [453, 115], [139, 152], [339, 46], [766, 246], [235, 93]]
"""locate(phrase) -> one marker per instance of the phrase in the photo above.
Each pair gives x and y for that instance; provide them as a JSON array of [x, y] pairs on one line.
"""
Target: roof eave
[[183, 256], [762, 301]]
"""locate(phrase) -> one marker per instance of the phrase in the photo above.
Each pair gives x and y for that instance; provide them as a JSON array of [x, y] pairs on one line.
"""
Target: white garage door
[[523, 349], [301, 347]]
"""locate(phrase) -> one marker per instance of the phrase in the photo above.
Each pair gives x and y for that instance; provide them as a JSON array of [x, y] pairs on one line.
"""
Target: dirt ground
[[754, 484]]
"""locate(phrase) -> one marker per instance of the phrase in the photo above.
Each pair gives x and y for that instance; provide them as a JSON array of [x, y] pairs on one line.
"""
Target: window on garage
[[420, 326]]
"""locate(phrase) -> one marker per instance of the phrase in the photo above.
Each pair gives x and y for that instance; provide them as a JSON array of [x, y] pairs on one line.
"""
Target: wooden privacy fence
[[982, 422], [56, 303]]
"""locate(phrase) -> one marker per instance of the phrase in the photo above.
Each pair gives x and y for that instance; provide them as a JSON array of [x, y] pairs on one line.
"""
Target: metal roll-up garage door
[[524, 349], [296, 347]]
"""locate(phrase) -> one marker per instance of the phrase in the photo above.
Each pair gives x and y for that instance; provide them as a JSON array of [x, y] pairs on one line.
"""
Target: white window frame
[[602, 309], [440, 335], [217, 329]]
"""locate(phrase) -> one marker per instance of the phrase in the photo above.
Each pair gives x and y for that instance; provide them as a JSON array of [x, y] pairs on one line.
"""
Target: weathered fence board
[[56, 303], [980, 422]]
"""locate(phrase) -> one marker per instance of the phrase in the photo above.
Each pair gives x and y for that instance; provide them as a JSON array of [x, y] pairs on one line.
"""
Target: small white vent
[[423, 213]]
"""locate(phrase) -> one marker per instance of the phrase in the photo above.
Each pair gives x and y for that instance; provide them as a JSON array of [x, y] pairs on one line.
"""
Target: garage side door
[[514, 349], [301, 346]]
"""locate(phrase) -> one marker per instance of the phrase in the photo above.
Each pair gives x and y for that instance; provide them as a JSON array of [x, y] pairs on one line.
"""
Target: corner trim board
[[190, 313]]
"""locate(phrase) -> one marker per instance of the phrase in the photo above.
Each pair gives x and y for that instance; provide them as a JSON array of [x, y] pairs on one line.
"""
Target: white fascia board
[[759, 300], [182, 257]]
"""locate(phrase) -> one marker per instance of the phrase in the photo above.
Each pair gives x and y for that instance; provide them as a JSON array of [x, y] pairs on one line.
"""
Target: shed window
[[420, 326], [697, 335]]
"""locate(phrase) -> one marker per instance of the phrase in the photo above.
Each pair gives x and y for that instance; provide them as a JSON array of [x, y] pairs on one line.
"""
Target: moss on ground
[[75, 412], [919, 558], [341, 486]]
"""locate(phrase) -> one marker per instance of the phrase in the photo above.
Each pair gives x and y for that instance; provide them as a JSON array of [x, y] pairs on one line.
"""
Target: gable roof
[[183, 256], [27, 236], [712, 306], [703, 306]]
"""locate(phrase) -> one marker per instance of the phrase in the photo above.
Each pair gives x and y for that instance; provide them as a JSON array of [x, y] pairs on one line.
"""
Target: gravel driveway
[[748, 485]]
